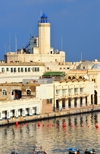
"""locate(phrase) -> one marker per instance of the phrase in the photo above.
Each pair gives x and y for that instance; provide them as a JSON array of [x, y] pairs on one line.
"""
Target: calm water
[[53, 139]]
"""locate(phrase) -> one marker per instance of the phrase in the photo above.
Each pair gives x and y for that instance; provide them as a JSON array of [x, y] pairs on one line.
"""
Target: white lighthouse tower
[[44, 35]]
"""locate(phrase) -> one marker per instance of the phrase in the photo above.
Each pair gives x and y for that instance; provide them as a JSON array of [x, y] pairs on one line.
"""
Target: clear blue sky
[[77, 22]]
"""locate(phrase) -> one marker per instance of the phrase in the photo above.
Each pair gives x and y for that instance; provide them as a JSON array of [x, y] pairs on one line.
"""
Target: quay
[[68, 112]]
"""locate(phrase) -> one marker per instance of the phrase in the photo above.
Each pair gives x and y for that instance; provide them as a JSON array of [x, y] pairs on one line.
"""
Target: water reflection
[[79, 132]]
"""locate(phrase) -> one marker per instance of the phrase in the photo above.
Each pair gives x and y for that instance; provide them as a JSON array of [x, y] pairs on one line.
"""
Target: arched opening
[[5, 115], [95, 97], [69, 77], [12, 113], [57, 104], [63, 103], [80, 77], [91, 99], [86, 101], [73, 77], [69, 102], [75, 102], [27, 111], [16, 94], [20, 112], [81, 101]]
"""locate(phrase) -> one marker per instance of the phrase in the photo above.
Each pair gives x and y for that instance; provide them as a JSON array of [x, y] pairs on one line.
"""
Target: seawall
[[45, 116]]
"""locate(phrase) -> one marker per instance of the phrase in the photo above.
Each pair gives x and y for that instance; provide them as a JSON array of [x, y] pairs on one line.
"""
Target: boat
[[13, 152], [34, 152], [89, 151], [73, 151], [39, 152]]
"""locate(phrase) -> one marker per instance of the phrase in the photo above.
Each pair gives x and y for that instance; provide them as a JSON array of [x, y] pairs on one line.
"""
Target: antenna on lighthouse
[[40, 13]]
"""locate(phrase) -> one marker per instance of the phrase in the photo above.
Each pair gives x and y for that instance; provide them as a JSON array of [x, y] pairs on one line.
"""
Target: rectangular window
[[58, 92], [21, 69], [7, 69], [37, 69], [18, 69], [34, 41], [49, 101], [63, 91], [3, 70], [33, 69], [69, 91], [11, 69], [4, 92], [26, 69], [94, 80], [76, 91], [81, 90], [14, 69]]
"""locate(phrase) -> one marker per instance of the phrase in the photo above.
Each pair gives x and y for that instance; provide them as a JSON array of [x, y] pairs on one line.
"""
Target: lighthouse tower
[[44, 35]]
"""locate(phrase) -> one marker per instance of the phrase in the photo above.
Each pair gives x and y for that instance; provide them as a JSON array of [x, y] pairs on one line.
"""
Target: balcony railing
[[78, 94]]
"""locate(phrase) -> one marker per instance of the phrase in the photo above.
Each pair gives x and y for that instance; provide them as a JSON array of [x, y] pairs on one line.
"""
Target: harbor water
[[79, 132]]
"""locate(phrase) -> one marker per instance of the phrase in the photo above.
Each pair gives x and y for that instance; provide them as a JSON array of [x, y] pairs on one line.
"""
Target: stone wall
[[46, 108]]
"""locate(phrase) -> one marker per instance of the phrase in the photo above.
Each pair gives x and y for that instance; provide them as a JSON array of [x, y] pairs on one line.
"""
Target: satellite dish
[[86, 77]]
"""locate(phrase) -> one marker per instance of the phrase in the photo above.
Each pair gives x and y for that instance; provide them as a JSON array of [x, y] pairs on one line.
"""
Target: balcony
[[72, 95]]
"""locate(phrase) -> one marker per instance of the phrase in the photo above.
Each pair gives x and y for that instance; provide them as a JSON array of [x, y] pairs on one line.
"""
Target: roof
[[96, 66], [43, 16], [19, 84], [22, 64], [54, 74], [85, 65]]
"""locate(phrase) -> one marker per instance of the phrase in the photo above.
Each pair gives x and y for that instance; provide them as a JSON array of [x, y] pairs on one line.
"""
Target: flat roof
[[22, 64], [54, 74]]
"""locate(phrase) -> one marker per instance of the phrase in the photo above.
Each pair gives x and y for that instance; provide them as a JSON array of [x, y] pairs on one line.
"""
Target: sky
[[75, 26]]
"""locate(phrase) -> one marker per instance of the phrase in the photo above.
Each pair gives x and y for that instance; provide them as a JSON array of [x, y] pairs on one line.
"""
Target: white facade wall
[[67, 90], [19, 76], [16, 105], [44, 91]]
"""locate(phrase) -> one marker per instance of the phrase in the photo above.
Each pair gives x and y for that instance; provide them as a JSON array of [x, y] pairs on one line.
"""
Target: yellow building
[[88, 70]]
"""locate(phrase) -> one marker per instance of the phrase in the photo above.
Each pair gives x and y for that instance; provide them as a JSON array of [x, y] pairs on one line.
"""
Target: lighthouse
[[44, 35]]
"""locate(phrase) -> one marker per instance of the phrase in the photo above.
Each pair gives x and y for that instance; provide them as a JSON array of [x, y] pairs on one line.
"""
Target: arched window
[[4, 91], [28, 92]]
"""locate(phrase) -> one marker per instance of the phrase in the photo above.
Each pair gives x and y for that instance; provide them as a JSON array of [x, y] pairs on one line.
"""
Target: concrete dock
[[68, 112]]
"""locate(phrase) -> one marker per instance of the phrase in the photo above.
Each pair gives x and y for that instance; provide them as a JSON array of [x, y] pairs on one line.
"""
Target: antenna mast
[[61, 44], [15, 43], [9, 42], [30, 33], [81, 56]]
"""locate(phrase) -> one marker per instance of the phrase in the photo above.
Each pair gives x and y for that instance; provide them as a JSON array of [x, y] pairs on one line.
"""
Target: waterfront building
[[43, 96], [73, 93], [10, 71], [88, 70]]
